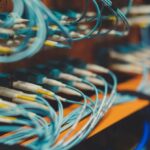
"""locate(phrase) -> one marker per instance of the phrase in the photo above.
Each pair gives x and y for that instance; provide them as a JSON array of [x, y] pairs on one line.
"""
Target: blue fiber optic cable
[[145, 137]]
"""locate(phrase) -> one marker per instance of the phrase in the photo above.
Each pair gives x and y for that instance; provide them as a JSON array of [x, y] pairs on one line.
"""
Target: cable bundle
[[134, 58], [61, 130], [31, 24], [19, 120]]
